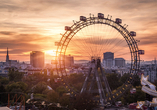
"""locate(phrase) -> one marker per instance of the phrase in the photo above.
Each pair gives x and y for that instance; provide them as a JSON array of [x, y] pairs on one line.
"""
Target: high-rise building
[[7, 56], [108, 59], [69, 60], [108, 55], [119, 62], [37, 59]]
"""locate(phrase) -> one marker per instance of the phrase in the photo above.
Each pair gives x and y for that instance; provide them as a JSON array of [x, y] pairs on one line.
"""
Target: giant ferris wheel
[[87, 40]]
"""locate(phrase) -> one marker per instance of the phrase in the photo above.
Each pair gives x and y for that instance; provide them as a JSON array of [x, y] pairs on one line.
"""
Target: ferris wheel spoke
[[123, 54], [104, 29], [105, 39], [89, 40], [113, 42], [114, 47], [81, 44], [85, 42], [116, 42], [109, 41], [75, 43]]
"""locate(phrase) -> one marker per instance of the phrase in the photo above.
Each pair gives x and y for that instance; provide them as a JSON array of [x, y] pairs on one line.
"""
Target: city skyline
[[36, 25]]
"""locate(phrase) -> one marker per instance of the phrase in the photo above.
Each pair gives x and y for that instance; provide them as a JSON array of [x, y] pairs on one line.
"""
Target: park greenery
[[38, 83]]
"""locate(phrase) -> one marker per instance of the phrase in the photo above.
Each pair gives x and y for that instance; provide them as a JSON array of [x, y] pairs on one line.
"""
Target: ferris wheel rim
[[77, 26]]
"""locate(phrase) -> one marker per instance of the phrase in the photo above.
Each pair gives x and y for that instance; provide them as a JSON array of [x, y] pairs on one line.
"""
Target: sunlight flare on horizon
[[50, 52]]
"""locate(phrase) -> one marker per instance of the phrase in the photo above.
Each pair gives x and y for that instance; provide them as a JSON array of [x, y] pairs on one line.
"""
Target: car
[[133, 106]]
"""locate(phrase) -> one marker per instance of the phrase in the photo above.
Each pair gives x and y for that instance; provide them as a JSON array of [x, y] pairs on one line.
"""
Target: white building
[[150, 70], [119, 62]]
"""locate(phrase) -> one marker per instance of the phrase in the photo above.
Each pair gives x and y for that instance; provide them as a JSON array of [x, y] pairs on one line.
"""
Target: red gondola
[[57, 80], [67, 28], [118, 21], [100, 16], [132, 33], [83, 18], [141, 52], [133, 91]]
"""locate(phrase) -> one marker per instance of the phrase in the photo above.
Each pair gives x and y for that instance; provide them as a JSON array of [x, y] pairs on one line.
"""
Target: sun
[[51, 52]]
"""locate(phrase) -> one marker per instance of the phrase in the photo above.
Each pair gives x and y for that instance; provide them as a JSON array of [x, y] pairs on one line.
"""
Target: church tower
[[7, 56]]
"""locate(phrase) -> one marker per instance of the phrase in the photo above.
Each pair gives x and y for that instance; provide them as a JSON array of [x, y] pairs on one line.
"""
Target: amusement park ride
[[150, 89], [106, 95]]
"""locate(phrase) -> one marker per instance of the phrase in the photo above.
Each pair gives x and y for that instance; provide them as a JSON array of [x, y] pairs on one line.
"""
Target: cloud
[[125, 5], [149, 40], [7, 33], [20, 43], [100, 41], [36, 24]]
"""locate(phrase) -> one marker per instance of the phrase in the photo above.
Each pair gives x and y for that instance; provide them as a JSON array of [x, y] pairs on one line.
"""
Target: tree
[[4, 81], [15, 75], [60, 90], [130, 98], [84, 101], [64, 100], [53, 97], [124, 78], [137, 81], [34, 79], [76, 80], [40, 88], [3, 95], [52, 82], [45, 75], [113, 80], [16, 87]]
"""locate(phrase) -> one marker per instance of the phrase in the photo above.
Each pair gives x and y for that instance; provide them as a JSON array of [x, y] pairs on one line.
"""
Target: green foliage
[[40, 96], [130, 98], [64, 100], [52, 82], [3, 96], [34, 79], [4, 81], [60, 90], [53, 97], [40, 88], [45, 75], [76, 80], [16, 87], [38, 83], [83, 101], [15, 75], [2, 88], [137, 81], [124, 77], [113, 80]]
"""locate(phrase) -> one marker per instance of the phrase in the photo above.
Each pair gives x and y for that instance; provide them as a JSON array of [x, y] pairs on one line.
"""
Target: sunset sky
[[34, 25]]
